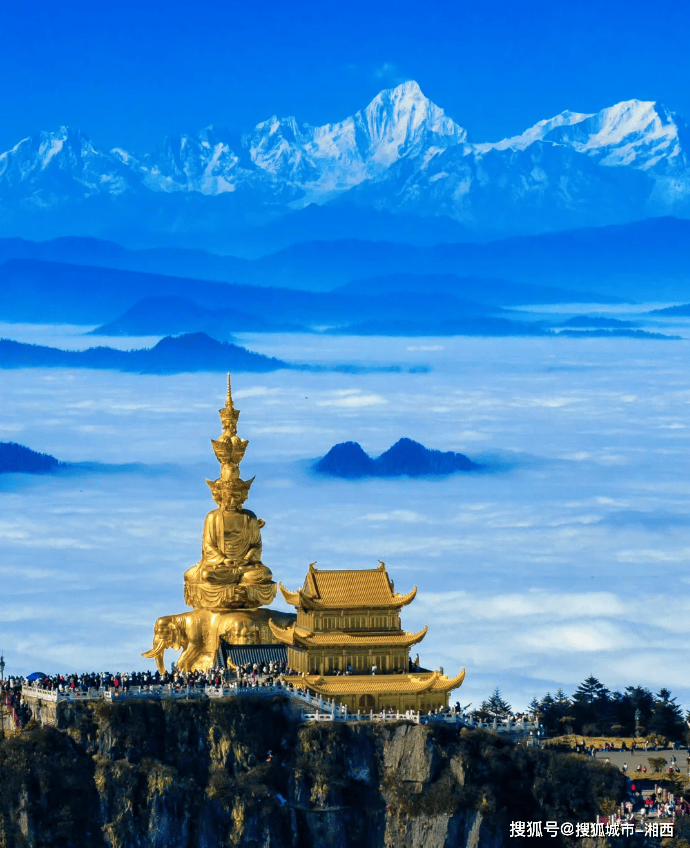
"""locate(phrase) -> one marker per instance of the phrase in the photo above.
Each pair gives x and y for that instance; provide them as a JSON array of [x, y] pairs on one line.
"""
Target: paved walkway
[[641, 758]]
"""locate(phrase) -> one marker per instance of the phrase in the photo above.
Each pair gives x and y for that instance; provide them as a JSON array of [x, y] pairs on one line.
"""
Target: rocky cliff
[[207, 774]]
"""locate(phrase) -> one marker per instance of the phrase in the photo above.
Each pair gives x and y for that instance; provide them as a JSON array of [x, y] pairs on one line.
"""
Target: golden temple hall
[[346, 640], [348, 643]]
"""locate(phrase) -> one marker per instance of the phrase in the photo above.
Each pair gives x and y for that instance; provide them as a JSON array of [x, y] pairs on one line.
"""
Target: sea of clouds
[[567, 555]]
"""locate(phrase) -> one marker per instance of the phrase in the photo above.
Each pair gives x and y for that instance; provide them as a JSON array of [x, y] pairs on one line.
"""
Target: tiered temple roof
[[333, 687], [304, 637], [348, 643], [348, 589]]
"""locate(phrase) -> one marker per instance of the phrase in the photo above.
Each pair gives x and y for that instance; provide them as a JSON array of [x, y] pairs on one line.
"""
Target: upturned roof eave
[[445, 684], [365, 684]]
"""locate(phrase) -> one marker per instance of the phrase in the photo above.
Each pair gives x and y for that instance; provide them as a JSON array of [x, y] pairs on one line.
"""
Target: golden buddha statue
[[229, 583], [230, 574]]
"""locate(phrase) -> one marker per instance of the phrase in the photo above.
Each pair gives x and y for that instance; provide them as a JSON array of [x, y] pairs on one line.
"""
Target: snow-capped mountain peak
[[398, 123], [639, 133], [401, 119], [400, 153], [53, 164], [204, 163]]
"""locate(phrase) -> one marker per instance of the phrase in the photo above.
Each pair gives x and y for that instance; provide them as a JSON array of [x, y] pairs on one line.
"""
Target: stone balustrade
[[322, 710]]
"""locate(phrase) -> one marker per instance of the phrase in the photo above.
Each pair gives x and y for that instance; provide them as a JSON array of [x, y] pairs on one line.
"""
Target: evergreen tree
[[590, 691], [534, 707], [550, 714], [667, 716], [622, 715], [591, 706], [642, 704], [495, 707], [562, 700]]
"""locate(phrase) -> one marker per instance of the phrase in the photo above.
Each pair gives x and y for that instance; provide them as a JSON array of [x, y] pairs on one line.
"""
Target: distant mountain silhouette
[[680, 311], [156, 316], [616, 334], [645, 260], [484, 290], [191, 352], [149, 304], [349, 460], [136, 303], [469, 325], [17, 458], [598, 322], [394, 313], [55, 292]]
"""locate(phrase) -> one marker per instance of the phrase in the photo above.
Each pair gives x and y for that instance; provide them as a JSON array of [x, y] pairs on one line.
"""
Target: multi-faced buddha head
[[230, 494]]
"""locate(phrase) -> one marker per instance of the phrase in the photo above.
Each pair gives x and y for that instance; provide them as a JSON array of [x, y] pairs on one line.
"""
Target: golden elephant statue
[[198, 632]]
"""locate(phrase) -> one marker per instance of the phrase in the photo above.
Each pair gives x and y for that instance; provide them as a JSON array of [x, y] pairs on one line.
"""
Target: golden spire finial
[[229, 414]]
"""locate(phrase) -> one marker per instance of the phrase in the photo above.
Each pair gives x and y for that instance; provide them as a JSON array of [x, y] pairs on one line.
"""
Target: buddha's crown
[[229, 449], [223, 489]]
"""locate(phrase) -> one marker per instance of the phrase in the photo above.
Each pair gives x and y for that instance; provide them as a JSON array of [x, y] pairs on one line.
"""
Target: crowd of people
[[15, 706], [85, 683], [265, 673], [659, 803]]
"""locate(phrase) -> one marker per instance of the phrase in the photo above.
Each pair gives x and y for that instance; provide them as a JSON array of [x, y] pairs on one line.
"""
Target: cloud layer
[[567, 557]]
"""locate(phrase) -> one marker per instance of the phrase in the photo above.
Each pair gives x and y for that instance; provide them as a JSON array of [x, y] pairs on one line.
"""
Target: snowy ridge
[[63, 162], [400, 153], [398, 123], [204, 163], [642, 134]]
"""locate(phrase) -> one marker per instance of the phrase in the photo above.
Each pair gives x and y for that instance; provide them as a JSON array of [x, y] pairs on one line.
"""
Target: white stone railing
[[322, 710], [503, 726], [453, 719], [55, 695], [387, 715], [162, 691], [260, 687], [341, 714]]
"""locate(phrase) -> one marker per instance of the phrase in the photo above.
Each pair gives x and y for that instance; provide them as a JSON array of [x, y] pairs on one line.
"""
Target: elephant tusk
[[158, 648]]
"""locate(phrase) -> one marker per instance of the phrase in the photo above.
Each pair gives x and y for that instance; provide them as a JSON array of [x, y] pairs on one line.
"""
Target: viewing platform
[[44, 705]]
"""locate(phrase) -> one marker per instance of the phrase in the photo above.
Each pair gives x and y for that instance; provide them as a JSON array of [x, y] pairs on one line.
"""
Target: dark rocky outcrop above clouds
[[16, 458], [350, 461]]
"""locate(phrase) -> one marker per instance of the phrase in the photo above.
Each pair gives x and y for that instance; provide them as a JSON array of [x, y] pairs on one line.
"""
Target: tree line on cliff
[[594, 710]]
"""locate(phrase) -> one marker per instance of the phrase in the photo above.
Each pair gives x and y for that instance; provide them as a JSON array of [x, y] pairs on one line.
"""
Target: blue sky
[[129, 73]]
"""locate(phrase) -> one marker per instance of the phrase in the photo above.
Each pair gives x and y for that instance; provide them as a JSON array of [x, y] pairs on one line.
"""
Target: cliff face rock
[[408, 753], [243, 772]]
